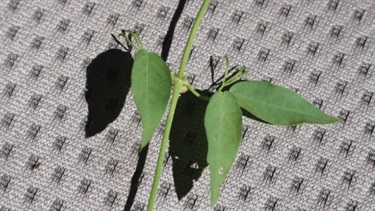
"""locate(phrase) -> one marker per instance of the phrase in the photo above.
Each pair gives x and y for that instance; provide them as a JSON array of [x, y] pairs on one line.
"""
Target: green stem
[[163, 148], [176, 92], [189, 43]]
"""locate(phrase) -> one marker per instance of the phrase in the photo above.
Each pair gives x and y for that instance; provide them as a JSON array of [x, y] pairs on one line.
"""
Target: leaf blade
[[223, 124], [277, 105], [151, 84]]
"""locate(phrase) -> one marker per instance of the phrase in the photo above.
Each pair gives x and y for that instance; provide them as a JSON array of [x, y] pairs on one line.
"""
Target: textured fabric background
[[51, 51]]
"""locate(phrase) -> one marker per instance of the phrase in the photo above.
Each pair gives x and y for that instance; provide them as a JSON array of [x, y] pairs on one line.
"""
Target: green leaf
[[277, 105], [151, 84], [223, 124]]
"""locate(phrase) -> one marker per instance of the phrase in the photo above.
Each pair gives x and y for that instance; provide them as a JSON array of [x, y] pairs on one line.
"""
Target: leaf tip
[[332, 119], [214, 198], [144, 143], [140, 148]]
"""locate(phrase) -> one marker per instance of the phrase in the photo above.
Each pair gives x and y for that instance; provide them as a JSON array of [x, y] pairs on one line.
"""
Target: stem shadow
[[107, 85], [188, 143], [136, 178], [172, 26]]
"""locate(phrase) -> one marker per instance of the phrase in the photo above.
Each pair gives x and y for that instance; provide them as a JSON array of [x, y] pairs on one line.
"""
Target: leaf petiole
[[192, 90], [186, 84]]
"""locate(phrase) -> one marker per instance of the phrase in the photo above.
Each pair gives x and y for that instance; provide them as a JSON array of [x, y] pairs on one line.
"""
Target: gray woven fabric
[[56, 62]]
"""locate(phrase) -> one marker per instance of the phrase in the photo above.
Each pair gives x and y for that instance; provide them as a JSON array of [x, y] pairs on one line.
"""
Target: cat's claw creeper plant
[[152, 82]]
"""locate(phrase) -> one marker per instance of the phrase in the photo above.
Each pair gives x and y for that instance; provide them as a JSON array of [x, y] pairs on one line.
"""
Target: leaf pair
[[223, 121], [151, 84]]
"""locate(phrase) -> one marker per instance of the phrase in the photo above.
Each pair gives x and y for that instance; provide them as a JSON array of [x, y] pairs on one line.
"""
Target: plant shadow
[[136, 179], [188, 143], [107, 85]]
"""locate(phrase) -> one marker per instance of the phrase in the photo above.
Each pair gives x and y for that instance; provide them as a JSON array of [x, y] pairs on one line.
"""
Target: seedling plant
[[152, 84]]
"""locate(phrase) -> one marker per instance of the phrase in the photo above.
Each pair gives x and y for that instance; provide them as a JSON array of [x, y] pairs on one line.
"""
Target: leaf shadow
[[252, 116], [188, 143], [107, 85]]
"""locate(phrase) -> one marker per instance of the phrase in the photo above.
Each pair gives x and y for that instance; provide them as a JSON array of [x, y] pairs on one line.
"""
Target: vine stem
[[189, 43], [176, 93]]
